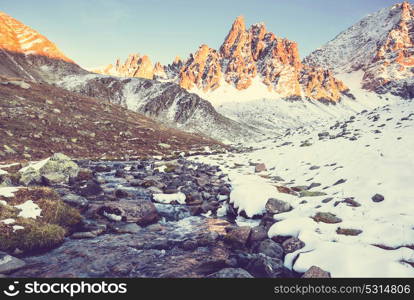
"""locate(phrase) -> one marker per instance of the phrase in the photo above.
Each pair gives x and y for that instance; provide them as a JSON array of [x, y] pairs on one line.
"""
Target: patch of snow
[[17, 227], [8, 192], [8, 221], [29, 209], [168, 198], [112, 217], [250, 193]]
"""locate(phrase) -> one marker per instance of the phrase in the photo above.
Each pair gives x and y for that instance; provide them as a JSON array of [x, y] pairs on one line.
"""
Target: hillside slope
[[37, 120]]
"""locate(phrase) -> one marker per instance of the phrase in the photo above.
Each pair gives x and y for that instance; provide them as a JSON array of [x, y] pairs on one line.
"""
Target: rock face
[[23, 51], [164, 101], [246, 56], [202, 70], [380, 46], [59, 168]]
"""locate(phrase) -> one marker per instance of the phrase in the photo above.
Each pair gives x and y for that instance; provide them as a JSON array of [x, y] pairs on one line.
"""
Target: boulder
[[237, 236], [262, 266], [75, 201], [260, 168], [326, 217], [275, 206], [270, 249], [142, 212], [293, 244], [378, 198], [57, 169]]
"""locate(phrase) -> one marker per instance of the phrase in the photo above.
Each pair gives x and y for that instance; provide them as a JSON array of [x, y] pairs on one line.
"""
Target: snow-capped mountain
[[27, 54], [380, 46], [249, 59]]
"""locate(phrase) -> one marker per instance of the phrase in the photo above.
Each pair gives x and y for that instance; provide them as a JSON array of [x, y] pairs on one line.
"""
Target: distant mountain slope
[[381, 46], [164, 101], [26, 54]]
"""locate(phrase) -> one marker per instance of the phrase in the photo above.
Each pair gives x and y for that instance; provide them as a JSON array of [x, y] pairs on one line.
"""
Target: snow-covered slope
[[164, 101], [381, 45], [356, 174]]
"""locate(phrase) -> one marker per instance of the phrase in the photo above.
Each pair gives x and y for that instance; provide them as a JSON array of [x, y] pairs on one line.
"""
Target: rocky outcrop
[[58, 168], [252, 53], [381, 46], [202, 70]]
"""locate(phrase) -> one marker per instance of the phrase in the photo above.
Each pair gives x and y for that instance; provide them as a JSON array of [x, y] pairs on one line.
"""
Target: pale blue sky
[[96, 32]]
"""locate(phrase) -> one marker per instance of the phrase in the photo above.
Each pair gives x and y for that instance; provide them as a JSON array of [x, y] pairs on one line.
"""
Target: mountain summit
[[380, 46], [19, 38]]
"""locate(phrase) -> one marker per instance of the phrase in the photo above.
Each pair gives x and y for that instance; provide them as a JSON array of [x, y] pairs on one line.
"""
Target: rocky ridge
[[247, 54], [380, 46], [27, 54]]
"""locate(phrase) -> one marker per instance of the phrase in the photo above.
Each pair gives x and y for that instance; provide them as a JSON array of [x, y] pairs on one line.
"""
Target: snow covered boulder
[[142, 212], [58, 168]]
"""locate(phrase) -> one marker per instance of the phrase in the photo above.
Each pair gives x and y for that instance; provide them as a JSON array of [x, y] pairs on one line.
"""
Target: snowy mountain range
[[379, 48], [26, 54], [248, 59]]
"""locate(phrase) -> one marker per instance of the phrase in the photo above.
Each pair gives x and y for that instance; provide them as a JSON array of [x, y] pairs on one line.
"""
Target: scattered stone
[[83, 235], [237, 236], [128, 228], [327, 200], [340, 181], [316, 272], [75, 201], [327, 217], [91, 188], [257, 234], [260, 168], [262, 266], [292, 244], [275, 206], [352, 202], [142, 212], [311, 194], [314, 185], [351, 232], [378, 198]]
